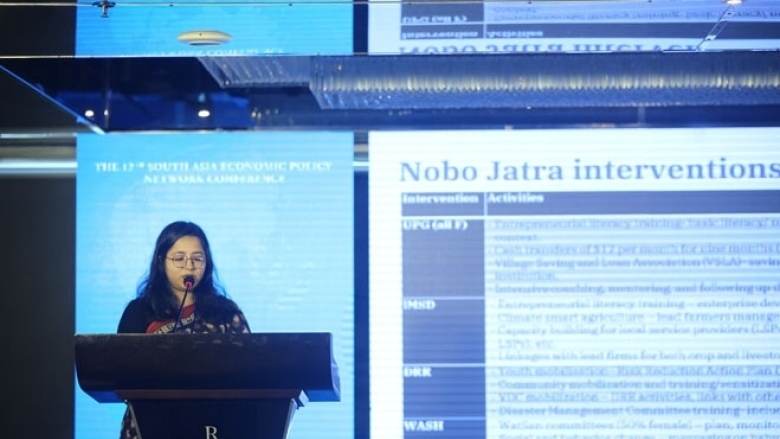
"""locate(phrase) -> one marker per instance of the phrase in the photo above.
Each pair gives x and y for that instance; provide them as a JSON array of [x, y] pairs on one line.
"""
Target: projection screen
[[575, 284]]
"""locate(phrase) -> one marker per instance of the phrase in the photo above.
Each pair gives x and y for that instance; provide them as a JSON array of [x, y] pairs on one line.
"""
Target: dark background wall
[[37, 239]]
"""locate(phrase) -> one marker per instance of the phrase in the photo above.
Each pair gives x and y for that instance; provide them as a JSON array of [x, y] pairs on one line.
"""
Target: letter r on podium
[[211, 432]]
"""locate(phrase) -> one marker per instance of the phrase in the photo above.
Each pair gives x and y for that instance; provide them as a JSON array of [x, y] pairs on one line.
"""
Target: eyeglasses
[[180, 261]]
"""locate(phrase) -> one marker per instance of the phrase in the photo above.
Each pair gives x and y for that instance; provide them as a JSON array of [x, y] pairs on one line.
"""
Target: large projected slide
[[575, 284], [277, 209], [438, 26], [216, 27]]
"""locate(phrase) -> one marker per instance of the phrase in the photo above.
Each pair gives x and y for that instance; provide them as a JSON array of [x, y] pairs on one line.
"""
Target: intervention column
[[443, 316]]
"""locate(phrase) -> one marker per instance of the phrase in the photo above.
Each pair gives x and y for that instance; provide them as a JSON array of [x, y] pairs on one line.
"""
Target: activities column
[[444, 315]]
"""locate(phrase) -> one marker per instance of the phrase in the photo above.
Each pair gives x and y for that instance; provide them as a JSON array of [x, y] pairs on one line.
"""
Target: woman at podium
[[180, 293]]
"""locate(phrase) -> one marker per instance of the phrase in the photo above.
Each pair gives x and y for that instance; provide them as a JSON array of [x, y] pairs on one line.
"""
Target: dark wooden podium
[[209, 386]]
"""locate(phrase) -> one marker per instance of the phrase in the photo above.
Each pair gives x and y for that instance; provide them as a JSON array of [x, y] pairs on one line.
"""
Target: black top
[[136, 317], [225, 316]]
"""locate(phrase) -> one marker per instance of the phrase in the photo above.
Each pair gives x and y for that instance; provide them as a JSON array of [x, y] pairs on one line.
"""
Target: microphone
[[189, 281]]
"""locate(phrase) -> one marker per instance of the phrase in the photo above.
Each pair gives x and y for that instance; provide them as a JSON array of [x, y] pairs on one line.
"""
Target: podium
[[209, 386]]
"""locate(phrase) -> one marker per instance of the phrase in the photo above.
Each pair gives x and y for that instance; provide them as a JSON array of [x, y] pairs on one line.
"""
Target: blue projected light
[[209, 28], [278, 211]]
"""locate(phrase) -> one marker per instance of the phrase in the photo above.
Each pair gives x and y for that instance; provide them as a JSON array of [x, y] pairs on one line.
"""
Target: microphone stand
[[188, 281]]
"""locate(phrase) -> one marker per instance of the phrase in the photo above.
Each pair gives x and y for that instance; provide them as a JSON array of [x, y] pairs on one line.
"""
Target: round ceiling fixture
[[204, 37]]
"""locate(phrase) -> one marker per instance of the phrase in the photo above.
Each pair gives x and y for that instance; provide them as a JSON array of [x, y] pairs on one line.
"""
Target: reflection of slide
[[253, 28], [277, 209], [581, 26], [575, 283]]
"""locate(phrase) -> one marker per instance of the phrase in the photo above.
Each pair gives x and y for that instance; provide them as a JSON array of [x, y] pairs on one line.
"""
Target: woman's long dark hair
[[211, 302]]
